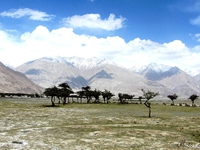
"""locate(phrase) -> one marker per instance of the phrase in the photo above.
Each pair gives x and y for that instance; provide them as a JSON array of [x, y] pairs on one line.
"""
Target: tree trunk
[[192, 103], [64, 100], [52, 101], [172, 102], [149, 111], [149, 106], [140, 101]]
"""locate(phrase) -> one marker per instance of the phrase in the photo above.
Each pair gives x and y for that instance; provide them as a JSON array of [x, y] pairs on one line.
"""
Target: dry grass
[[32, 124]]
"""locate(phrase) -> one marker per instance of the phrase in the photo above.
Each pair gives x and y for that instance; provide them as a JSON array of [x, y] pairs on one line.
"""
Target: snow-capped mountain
[[97, 73], [153, 71], [172, 77], [152, 66], [78, 62], [87, 63]]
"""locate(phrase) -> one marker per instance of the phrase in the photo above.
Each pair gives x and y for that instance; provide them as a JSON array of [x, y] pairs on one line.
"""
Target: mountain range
[[173, 78], [104, 74]]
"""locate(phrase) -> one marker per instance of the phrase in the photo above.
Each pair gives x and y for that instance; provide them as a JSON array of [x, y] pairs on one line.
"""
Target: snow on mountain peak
[[80, 62], [88, 63], [57, 59], [152, 66], [158, 67]]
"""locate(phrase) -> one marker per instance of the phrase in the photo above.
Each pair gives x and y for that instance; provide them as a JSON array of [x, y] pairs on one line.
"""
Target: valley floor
[[34, 124]]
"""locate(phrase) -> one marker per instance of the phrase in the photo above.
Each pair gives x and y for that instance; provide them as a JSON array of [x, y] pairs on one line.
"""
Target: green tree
[[128, 97], [140, 99], [81, 94], [96, 93], [52, 92], [87, 93], [65, 91], [121, 99], [193, 98], [172, 98], [124, 97], [148, 95], [107, 95]]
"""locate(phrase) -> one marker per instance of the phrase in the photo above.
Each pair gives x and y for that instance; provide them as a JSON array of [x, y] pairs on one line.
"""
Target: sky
[[128, 32]]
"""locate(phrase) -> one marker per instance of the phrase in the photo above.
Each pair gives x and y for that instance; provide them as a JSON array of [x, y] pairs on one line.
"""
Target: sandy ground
[[31, 126]]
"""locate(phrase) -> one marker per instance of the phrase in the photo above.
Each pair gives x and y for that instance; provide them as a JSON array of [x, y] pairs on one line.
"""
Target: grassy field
[[33, 124]]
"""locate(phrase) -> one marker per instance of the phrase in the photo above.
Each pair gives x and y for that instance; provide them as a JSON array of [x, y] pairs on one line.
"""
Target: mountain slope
[[16, 82], [197, 78], [48, 72], [180, 82]]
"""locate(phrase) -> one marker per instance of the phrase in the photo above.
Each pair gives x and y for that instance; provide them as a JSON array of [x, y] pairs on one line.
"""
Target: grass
[[33, 124]]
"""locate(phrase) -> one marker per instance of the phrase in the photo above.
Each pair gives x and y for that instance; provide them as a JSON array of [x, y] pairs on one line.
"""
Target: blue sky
[[129, 32]]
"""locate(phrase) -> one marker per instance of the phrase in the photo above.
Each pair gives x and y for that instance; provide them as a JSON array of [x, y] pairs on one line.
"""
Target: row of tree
[[36, 95], [64, 92]]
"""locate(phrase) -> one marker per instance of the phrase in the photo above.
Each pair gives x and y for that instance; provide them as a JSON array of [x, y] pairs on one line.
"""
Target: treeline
[[64, 92], [36, 95]]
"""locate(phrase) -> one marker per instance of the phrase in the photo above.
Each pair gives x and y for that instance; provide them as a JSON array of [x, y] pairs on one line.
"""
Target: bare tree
[[149, 95]]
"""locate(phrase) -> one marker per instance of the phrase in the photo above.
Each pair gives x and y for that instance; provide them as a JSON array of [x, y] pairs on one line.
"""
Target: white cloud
[[26, 12], [95, 21], [195, 21], [64, 42]]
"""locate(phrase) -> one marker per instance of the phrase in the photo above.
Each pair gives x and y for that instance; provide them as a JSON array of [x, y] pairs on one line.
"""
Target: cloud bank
[[64, 42], [26, 12]]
